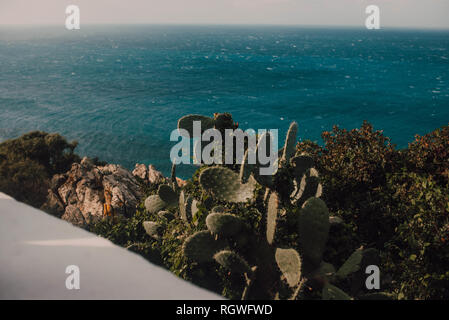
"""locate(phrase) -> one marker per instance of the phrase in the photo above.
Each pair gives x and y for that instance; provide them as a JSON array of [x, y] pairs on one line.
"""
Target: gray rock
[[87, 193], [155, 176], [140, 171], [74, 216]]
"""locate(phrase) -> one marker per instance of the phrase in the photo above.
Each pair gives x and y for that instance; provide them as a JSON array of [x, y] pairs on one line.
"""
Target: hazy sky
[[398, 13]]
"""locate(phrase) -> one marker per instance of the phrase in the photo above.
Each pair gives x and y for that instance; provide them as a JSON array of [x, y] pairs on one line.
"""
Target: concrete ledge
[[36, 248]]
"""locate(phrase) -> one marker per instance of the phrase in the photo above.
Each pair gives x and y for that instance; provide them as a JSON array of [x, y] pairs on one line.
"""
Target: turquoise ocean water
[[119, 90]]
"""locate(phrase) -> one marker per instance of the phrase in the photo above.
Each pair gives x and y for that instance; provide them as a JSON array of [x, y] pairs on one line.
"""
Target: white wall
[[36, 248]]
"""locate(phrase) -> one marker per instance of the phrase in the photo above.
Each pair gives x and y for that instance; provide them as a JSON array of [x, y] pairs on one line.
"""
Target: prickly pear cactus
[[224, 184], [186, 123], [185, 207], [166, 215], [154, 204], [289, 262], [271, 229], [331, 292], [351, 265], [224, 224], [202, 246], [168, 195], [272, 217], [232, 261], [310, 186], [313, 229], [290, 142], [153, 229]]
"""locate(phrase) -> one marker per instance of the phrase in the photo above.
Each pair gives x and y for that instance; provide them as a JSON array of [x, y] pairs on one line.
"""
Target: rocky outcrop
[[152, 176], [87, 193], [148, 174]]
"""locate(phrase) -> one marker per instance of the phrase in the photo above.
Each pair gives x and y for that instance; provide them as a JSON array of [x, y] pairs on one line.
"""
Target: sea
[[120, 89]]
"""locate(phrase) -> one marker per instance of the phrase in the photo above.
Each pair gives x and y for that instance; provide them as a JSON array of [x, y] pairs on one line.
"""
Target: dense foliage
[[28, 163], [394, 201], [397, 200]]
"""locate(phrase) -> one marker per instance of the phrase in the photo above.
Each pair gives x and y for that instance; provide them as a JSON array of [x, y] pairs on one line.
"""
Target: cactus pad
[[331, 292], [202, 246], [333, 220], [352, 264], [290, 142], [245, 169], [272, 217], [167, 194], [186, 123], [289, 262], [313, 229], [166, 215], [154, 204], [224, 224], [232, 261], [223, 121], [153, 229], [185, 207], [224, 184], [219, 209], [301, 164], [310, 186]]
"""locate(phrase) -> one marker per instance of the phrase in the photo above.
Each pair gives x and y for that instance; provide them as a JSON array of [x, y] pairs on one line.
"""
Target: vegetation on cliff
[[28, 163], [393, 203]]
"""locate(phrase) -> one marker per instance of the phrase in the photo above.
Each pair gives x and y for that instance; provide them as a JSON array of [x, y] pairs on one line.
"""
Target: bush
[[395, 199], [353, 166], [429, 155], [418, 253], [28, 163]]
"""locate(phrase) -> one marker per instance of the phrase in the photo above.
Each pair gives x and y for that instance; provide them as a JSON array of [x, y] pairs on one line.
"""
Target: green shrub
[[417, 256], [353, 166], [397, 200], [28, 163]]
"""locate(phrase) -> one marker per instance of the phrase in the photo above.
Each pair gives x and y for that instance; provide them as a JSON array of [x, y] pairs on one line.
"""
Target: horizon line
[[224, 25]]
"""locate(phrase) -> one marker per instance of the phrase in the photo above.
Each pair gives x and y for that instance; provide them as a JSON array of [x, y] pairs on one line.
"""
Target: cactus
[[331, 292], [289, 263], [153, 229], [301, 164], [224, 121], [194, 211], [279, 249], [202, 246], [185, 207], [264, 180], [333, 220], [313, 229], [245, 169], [224, 224], [310, 186], [272, 217], [290, 142], [168, 195], [220, 121], [218, 209], [224, 184], [154, 204], [166, 215], [351, 265], [232, 261], [186, 123]]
